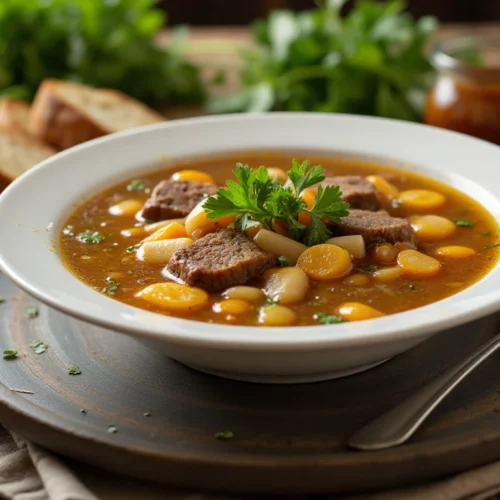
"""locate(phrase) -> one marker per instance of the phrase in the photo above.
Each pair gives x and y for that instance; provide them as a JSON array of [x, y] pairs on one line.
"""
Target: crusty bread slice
[[15, 114], [18, 153], [65, 113]]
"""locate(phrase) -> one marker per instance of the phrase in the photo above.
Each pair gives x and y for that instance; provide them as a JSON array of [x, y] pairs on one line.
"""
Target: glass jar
[[466, 95]]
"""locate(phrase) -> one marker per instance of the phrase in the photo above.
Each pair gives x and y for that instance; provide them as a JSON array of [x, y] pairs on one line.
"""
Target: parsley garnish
[[74, 370], [9, 354], [136, 185], [487, 233], [32, 312], [92, 238], [257, 199], [224, 435], [283, 261], [38, 346], [463, 223], [68, 231], [83, 411], [112, 429], [111, 286], [271, 302], [368, 269], [328, 319], [2, 300]]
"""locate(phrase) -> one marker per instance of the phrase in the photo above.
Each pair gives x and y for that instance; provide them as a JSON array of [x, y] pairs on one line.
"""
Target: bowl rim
[[456, 309]]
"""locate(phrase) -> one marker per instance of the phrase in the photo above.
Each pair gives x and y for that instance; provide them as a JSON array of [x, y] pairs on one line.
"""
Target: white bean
[[276, 316], [126, 208], [387, 274], [286, 285], [249, 293], [279, 245]]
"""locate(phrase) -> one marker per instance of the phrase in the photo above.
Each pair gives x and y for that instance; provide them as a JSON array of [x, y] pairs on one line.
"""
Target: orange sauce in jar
[[466, 97]]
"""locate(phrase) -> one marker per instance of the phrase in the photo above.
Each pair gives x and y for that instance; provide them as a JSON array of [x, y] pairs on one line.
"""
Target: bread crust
[[8, 116], [57, 123], [29, 142]]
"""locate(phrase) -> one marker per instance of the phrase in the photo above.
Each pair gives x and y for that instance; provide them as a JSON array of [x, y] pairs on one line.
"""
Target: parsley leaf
[[9, 354], [463, 223], [2, 300], [111, 286], [38, 346], [92, 238], [32, 312], [136, 185], [224, 435], [368, 268], [283, 261], [371, 61], [74, 370], [271, 302], [259, 200], [328, 319]]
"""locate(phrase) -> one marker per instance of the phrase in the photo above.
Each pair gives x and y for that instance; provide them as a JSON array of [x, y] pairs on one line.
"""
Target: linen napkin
[[28, 472]]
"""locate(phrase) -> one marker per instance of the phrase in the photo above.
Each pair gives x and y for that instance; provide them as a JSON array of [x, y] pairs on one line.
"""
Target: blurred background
[[222, 12]]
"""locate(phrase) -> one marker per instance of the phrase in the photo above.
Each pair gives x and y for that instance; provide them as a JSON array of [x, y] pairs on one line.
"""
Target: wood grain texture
[[286, 438]]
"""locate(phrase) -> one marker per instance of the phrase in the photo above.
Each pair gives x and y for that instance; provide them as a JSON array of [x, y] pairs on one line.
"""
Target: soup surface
[[437, 242]]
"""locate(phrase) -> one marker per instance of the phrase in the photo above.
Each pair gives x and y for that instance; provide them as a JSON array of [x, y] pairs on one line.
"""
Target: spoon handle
[[398, 424]]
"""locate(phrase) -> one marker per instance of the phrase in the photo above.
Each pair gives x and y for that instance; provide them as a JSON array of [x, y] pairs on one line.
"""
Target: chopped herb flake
[[136, 185], [111, 286], [368, 269], [328, 319], [9, 354], [83, 412], [495, 245], [74, 370], [487, 233], [283, 261], [463, 223], [224, 435], [92, 238], [271, 302], [2, 300], [32, 312], [133, 248], [38, 346], [69, 231], [112, 429], [147, 414]]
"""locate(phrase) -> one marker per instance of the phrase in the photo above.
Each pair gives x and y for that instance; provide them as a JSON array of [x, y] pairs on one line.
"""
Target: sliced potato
[[279, 245], [354, 244]]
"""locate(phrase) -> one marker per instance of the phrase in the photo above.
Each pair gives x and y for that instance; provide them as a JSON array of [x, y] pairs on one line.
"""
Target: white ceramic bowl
[[44, 196]]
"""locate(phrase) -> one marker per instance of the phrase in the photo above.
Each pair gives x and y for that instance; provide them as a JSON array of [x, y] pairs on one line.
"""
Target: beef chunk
[[175, 199], [375, 227], [356, 191], [219, 260]]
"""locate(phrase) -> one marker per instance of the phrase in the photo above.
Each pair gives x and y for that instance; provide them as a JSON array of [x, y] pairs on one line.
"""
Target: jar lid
[[472, 55]]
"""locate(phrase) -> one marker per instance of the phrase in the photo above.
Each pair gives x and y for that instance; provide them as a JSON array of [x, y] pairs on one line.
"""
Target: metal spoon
[[399, 424]]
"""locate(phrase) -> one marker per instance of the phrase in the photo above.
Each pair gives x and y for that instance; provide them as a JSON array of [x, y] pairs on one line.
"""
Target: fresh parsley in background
[[257, 199], [100, 43], [371, 62]]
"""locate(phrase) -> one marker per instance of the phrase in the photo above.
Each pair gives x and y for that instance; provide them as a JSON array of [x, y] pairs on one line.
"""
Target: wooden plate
[[286, 438]]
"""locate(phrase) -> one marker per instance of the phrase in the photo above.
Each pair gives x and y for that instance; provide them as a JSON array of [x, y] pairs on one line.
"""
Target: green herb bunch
[[370, 62], [96, 42], [256, 199]]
